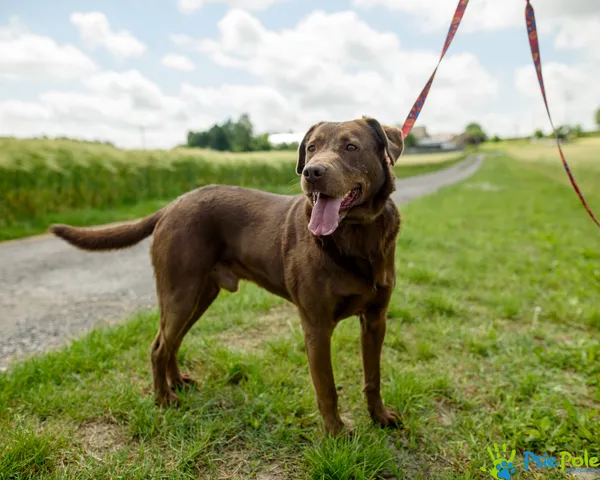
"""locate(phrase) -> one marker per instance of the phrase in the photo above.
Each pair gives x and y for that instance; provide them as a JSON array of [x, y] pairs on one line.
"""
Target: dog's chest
[[350, 305]]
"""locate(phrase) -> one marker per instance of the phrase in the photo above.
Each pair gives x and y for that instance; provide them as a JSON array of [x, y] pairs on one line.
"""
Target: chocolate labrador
[[329, 251]]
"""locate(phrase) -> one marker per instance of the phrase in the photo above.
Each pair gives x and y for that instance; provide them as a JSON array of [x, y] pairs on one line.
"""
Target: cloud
[[115, 106], [268, 107], [487, 15], [95, 31], [582, 35], [572, 92], [362, 70], [297, 83], [178, 62], [190, 6], [25, 55]]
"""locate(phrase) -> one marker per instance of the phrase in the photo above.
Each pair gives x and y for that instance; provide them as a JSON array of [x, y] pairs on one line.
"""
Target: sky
[[144, 72]]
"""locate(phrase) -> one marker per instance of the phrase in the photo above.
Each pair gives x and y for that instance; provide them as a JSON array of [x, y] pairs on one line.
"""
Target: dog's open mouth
[[328, 211]]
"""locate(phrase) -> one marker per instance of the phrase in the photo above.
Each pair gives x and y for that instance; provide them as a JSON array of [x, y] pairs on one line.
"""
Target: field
[[62, 181], [493, 337]]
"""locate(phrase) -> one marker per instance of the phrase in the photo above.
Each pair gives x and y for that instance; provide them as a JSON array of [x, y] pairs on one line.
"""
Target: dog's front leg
[[373, 326], [317, 338]]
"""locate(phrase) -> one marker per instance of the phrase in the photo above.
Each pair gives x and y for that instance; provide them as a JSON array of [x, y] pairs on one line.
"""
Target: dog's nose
[[312, 173]]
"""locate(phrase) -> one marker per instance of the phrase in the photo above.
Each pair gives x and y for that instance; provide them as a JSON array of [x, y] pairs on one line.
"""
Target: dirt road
[[51, 292]]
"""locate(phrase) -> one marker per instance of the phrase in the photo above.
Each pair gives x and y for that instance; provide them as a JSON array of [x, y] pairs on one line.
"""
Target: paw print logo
[[505, 470], [502, 464]]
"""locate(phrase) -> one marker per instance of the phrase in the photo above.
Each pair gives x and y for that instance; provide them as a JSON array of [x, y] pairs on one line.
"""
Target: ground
[[493, 338]]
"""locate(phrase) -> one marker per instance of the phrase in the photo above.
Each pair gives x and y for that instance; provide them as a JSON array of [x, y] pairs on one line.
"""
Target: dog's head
[[347, 171]]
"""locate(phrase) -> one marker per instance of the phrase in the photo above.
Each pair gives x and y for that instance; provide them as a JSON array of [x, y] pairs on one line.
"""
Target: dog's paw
[[387, 418], [336, 429], [185, 382], [168, 399]]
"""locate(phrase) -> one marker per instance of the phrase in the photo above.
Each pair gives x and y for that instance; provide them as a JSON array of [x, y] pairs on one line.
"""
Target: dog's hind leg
[[179, 310], [205, 298]]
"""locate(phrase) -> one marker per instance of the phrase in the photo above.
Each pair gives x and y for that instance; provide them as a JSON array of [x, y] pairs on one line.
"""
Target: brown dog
[[329, 251]]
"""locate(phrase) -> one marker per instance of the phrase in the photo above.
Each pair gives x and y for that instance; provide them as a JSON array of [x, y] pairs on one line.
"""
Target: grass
[[494, 337], [64, 181]]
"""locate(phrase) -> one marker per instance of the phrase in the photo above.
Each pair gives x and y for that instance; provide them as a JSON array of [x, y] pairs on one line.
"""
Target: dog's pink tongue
[[324, 217]]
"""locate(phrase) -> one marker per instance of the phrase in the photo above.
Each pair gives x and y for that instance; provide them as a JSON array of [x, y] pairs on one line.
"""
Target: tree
[[261, 143], [231, 136], [562, 132], [576, 131], [219, 139], [538, 134], [495, 138], [475, 133], [598, 117], [242, 134], [410, 140]]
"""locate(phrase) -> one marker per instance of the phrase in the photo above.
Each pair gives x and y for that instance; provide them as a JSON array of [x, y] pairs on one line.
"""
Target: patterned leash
[[537, 61], [416, 109], [535, 52]]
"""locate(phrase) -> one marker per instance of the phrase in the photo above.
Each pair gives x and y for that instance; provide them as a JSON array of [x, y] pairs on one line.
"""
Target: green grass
[[62, 181], [494, 337]]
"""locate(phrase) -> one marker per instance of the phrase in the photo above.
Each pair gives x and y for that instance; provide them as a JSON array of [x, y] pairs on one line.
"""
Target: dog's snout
[[313, 173]]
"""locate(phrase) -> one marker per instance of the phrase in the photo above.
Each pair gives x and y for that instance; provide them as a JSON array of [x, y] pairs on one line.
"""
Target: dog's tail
[[109, 238]]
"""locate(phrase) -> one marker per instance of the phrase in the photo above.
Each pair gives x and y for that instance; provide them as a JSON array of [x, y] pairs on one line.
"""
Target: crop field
[[47, 181], [493, 338]]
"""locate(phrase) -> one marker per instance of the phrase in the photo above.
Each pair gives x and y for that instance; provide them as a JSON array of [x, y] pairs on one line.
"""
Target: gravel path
[[51, 292]]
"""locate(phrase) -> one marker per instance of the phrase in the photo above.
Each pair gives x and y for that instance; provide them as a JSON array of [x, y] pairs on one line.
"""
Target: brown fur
[[212, 237]]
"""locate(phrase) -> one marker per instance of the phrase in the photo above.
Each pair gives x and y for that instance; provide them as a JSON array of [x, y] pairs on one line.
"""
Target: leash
[[416, 109], [537, 61]]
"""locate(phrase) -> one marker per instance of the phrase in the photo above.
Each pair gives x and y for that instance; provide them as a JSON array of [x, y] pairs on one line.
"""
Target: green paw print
[[502, 464]]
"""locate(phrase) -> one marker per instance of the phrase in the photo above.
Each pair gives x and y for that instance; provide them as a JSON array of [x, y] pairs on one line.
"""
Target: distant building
[[436, 142], [420, 132]]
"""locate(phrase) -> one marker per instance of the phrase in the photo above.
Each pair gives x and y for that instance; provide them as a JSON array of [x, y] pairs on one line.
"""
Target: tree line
[[234, 136], [239, 136]]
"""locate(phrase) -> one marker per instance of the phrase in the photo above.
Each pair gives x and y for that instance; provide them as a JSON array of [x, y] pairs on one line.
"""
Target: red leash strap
[[416, 109], [537, 61]]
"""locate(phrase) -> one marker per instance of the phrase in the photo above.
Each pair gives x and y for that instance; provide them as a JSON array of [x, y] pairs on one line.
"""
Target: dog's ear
[[390, 138], [302, 149], [396, 142]]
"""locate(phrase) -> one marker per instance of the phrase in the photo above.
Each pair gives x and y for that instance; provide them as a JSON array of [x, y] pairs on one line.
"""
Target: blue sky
[[101, 69]]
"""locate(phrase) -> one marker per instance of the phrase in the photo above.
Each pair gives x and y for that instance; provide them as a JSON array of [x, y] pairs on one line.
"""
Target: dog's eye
[[351, 147], [311, 148]]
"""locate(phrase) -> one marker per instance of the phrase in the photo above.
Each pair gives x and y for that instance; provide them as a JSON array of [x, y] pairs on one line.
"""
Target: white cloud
[[362, 70], [190, 6], [26, 55], [269, 109], [582, 35], [115, 106], [95, 31], [298, 82], [485, 15], [17, 110], [572, 90], [178, 62]]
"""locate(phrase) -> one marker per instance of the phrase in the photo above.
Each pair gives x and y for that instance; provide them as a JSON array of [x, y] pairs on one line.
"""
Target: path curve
[[51, 292]]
